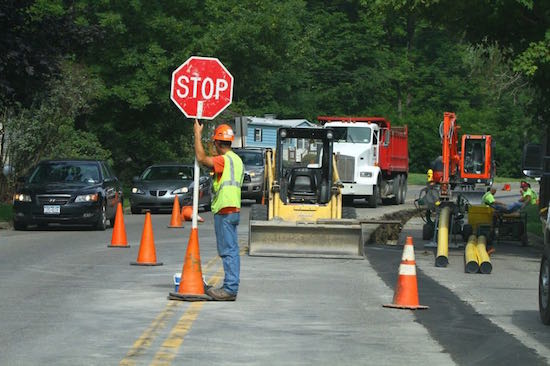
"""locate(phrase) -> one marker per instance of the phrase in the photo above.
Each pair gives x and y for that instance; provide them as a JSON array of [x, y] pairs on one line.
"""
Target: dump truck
[[536, 164], [303, 215], [372, 158]]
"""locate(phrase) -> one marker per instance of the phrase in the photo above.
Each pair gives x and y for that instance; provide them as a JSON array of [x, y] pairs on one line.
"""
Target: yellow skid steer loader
[[303, 214]]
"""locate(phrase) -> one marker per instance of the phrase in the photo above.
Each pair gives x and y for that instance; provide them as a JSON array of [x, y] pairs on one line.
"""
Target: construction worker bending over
[[226, 204]]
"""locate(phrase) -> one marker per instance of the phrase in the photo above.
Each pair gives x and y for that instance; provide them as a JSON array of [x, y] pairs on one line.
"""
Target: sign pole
[[196, 183]]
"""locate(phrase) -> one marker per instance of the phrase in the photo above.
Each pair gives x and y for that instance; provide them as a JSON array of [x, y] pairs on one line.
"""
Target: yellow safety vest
[[227, 191]]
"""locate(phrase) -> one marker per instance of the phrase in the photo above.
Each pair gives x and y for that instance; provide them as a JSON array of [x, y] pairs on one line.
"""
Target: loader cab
[[304, 165]]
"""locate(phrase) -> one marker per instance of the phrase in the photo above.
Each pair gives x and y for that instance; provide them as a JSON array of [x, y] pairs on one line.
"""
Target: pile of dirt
[[385, 233]]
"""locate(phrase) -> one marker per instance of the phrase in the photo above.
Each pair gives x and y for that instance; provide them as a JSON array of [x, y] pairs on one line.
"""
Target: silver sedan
[[157, 186]]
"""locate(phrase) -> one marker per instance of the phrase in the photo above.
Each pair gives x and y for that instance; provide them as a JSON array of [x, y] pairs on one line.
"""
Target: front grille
[[246, 178], [53, 199], [346, 168], [157, 193]]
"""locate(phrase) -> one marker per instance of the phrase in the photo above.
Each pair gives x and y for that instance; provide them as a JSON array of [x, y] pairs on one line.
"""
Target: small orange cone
[[118, 239], [406, 293], [506, 187], [191, 287], [175, 221], [187, 214], [147, 255]]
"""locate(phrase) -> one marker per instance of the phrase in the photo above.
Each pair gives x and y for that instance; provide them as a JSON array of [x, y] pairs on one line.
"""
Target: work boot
[[219, 294]]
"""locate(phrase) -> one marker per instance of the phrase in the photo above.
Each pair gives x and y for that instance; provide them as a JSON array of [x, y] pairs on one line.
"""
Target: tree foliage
[[409, 60]]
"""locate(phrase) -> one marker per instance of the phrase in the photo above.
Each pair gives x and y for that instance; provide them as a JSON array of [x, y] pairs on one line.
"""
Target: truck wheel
[[349, 213], [403, 194], [544, 287], [347, 200], [373, 199], [427, 231], [258, 212], [396, 190]]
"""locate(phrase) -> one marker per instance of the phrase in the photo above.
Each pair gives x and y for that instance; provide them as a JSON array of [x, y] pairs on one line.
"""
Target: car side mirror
[[135, 179]]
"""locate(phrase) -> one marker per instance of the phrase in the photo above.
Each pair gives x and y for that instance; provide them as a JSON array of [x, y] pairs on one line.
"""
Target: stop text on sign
[[202, 87], [207, 87]]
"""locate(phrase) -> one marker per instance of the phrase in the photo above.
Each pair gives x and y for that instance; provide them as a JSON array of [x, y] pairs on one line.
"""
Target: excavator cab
[[477, 163], [303, 214]]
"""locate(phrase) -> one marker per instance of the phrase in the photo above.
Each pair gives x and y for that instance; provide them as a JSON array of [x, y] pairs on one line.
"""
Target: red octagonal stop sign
[[202, 87]]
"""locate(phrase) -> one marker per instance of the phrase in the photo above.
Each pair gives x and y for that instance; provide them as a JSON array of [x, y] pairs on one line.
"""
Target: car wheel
[[544, 287], [19, 225], [102, 221]]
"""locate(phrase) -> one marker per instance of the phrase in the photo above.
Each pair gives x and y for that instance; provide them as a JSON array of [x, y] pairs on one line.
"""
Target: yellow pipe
[[485, 265], [442, 258], [471, 258]]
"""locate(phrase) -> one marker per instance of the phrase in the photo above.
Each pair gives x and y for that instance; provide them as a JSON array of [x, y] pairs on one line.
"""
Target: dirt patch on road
[[389, 233]]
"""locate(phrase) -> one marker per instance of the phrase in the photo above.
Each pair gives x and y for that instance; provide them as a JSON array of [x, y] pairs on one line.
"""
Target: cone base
[[117, 246], [411, 307], [188, 297], [145, 264]]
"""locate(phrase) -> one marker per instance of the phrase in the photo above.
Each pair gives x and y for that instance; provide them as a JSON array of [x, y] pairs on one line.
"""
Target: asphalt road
[[68, 299]]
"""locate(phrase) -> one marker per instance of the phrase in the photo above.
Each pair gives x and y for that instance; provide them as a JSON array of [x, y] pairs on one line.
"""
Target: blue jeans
[[228, 249]]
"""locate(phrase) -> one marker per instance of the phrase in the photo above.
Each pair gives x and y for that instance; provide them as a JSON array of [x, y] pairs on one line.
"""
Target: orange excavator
[[458, 178]]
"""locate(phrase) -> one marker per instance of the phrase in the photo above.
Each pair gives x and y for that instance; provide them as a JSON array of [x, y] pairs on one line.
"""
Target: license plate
[[52, 209]]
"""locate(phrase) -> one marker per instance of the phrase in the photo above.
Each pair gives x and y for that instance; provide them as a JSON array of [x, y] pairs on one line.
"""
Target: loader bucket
[[290, 239]]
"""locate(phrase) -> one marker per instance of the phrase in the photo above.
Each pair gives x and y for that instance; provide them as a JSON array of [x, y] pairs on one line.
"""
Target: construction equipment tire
[[403, 193], [427, 231], [258, 212]]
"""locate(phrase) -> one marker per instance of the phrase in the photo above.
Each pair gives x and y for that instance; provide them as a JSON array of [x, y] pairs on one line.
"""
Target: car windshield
[[168, 173], [68, 172], [251, 158], [352, 134]]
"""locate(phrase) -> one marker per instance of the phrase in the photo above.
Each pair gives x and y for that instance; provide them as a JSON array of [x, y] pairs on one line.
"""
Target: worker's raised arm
[[201, 156]]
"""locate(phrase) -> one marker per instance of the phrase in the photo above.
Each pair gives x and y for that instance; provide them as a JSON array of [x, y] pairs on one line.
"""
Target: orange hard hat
[[223, 133]]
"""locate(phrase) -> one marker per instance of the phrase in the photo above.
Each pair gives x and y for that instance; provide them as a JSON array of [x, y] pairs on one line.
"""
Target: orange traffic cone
[[191, 287], [506, 187], [118, 239], [175, 221], [147, 255], [187, 214], [406, 293]]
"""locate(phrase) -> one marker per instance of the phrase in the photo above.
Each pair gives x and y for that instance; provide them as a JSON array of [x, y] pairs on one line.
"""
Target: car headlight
[[181, 190], [136, 190], [255, 173], [21, 197], [87, 198], [365, 174]]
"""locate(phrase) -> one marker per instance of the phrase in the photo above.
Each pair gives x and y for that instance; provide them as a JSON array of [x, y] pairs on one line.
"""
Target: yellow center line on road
[[169, 349], [143, 343]]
